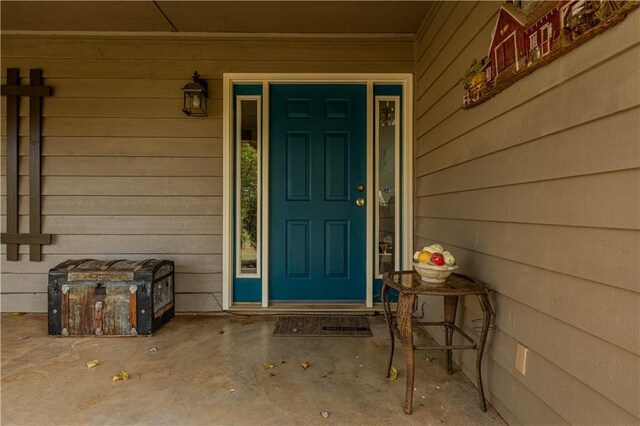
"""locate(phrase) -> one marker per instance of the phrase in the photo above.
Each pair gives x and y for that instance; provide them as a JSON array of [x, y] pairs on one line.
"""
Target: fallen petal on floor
[[393, 373], [92, 363], [123, 375]]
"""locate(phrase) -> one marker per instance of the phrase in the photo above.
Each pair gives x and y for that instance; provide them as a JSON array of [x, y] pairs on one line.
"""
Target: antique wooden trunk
[[120, 297]]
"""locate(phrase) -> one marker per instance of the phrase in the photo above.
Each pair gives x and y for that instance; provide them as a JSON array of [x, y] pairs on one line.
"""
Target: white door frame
[[404, 79]]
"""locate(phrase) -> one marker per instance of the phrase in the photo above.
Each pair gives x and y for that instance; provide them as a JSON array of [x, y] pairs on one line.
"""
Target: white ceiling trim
[[211, 36]]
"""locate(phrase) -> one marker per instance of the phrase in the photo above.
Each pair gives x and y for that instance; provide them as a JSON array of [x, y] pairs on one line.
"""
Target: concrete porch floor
[[200, 359]]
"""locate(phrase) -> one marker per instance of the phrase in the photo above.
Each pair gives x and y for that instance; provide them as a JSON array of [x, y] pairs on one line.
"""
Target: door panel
[[336, 248], [317, 158], [336, 163], [298, 249], [298, 166]]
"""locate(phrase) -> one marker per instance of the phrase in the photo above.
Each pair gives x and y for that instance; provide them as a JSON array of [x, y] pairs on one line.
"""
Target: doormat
[[322, 326]]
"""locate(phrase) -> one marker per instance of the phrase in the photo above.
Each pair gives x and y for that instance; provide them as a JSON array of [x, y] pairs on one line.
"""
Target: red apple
[[437, 259]]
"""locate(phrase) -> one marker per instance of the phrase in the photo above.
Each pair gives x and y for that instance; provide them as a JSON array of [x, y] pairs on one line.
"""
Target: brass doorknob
[[360, 188], [360, 202]]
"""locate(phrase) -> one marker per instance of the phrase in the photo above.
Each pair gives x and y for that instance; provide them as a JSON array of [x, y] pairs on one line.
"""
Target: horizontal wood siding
[[536, 192], [126, 173]]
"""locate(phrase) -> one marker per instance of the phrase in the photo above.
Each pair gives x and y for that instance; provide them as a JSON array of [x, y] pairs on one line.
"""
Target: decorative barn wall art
[[531, 34]]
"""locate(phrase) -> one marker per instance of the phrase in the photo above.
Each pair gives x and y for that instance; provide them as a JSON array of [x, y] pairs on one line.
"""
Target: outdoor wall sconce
[[195, 97], [387, 115]]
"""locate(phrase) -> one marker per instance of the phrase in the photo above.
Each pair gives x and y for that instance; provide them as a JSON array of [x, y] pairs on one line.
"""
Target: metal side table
[[409, 287]]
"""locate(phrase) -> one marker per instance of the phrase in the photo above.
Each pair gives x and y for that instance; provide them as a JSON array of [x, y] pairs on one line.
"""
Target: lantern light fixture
[[195, 97], [388, 115]]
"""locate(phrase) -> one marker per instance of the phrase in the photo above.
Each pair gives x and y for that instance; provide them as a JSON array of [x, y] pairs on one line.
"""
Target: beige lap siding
[[125, 173], [536, 192]]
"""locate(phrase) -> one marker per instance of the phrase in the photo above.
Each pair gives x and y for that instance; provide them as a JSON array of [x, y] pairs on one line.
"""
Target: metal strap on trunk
[[102, 270]]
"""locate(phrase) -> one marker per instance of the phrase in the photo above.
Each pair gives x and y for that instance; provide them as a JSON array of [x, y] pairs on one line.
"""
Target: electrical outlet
[[521, 359]]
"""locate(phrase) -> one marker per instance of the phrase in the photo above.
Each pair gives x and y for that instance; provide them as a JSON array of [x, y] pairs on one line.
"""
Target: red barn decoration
[[531, 34]]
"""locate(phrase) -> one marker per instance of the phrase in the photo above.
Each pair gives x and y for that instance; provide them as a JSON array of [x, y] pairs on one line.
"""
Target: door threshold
[[308, 308]]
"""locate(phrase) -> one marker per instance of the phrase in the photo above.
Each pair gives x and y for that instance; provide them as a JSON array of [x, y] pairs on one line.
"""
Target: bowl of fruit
[[434, 264]]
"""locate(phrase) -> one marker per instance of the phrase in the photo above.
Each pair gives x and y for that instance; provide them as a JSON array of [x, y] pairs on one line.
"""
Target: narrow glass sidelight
[[387, 183], [248, 200]]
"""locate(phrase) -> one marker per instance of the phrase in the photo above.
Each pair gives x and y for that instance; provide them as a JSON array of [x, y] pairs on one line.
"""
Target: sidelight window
[[387, 183], [248, 154]]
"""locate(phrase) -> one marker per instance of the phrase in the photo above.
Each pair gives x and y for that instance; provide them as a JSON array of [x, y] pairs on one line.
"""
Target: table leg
[[487, 315], [405, 331], [450, 308], [384, 295]]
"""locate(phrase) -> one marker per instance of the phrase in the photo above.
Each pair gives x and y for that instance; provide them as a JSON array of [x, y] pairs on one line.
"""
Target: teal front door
[[317, 173]]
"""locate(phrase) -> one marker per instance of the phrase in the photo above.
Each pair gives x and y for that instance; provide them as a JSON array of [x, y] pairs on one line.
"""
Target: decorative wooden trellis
[[13, 90]]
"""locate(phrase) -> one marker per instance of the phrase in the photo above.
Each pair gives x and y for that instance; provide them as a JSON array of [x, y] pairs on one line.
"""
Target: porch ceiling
[[303, 17]]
